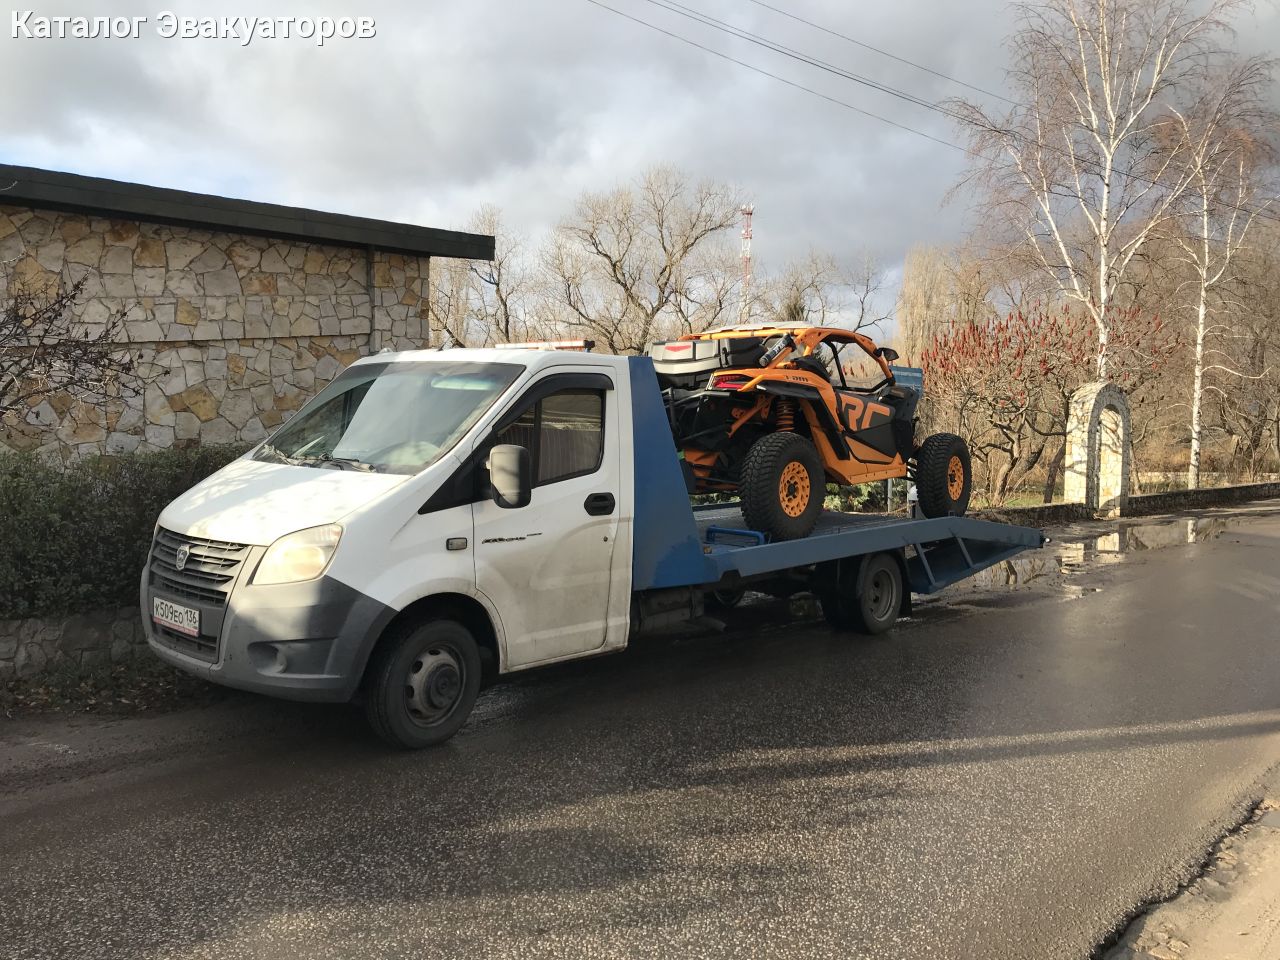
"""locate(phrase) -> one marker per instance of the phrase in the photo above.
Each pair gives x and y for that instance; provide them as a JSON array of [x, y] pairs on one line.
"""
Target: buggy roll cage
[[807, 339]]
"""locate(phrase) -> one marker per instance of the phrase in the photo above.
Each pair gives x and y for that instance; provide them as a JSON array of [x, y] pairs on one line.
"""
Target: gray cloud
[[524, 104]]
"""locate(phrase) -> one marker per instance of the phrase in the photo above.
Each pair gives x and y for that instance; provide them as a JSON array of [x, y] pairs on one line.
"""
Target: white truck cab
[[434, 515]]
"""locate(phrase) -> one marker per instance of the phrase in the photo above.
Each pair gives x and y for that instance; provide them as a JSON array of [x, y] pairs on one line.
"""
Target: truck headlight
[[299, 556]]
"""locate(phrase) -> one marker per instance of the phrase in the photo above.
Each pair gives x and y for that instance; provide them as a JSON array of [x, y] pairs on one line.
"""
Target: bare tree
[[1249, 412], [941, 290], [45, 350], [633, 264], [806, 291], [450, 304], [502, 287], [1222, 138], [1078, 167], [864, 277], [820, 290]]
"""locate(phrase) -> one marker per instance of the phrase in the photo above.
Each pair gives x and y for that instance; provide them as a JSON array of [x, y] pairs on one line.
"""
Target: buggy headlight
[[299, 556]]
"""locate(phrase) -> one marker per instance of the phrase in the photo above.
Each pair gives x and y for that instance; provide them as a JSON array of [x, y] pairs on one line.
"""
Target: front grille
[[204, 581], [201, 647], [210, 569]]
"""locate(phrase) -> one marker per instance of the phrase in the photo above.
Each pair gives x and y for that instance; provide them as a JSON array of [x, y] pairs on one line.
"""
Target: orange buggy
[[771, 413]]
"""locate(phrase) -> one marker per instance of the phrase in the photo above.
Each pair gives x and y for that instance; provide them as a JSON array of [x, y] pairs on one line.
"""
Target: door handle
[[600, 504]]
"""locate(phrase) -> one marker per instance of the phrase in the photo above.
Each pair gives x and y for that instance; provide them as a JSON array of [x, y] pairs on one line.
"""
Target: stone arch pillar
[[1098, 453]]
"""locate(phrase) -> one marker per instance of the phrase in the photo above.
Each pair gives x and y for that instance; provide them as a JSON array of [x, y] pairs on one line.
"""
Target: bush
[[75, 538]]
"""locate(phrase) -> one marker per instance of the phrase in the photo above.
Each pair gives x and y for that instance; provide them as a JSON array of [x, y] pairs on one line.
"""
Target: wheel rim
[[793, 489], [728, 598], [434, 684], [955, 478], [879, 592]]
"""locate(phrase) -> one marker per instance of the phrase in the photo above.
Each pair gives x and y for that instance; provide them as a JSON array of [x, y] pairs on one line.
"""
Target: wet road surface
[[1010, 774]]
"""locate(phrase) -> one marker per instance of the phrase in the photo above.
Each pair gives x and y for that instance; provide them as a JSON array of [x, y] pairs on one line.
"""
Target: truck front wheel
[[422, 682]]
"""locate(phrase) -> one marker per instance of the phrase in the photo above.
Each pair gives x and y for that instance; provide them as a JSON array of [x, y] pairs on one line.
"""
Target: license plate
[[175, 616]]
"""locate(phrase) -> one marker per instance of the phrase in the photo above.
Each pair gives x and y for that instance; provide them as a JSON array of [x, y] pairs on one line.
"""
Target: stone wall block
[[217, 430], [200, 401], [180, 283], [244, 255], [116, 260], [159, 436], [237, 407], [222, 283], [273, 260], [186, 425], [181, 252], [150, 253], [210, 259], [121, 285], [124, 233], [149, 281], [253, 431], [233, 318]]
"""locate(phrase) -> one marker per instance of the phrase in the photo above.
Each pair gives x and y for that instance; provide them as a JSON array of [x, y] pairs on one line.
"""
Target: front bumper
[[303, 641]]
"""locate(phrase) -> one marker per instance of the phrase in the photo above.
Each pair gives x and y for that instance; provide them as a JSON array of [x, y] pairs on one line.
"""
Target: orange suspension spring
[[786, 418]]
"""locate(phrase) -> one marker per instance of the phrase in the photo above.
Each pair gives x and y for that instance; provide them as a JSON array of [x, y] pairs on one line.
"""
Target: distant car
[[769, 412]]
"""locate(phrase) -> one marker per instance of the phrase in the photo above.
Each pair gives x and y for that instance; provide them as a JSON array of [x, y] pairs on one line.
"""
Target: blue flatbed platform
[[677, 545], [940, 551]]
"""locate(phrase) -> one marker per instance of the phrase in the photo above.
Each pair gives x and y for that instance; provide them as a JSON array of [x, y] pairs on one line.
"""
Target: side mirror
[[510, 476], [888, 353]]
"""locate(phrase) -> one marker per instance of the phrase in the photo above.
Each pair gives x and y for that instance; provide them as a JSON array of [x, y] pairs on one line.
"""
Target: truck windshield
[[396, 417]]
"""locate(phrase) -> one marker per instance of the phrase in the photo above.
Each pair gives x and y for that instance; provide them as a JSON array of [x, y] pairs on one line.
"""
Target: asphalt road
[[1010, 774]]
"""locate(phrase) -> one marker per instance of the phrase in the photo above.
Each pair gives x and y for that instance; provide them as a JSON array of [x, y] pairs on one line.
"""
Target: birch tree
[[1078, 167], [1222, 137]]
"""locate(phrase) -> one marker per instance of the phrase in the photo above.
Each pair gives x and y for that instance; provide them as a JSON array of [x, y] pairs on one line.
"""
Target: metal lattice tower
[[744, 303]]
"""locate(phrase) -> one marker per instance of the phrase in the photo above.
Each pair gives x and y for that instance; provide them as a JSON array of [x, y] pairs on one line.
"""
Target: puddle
[[1075, 553]]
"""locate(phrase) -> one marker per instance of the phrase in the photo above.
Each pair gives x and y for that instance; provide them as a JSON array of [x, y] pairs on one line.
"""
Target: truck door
[[546, 567]]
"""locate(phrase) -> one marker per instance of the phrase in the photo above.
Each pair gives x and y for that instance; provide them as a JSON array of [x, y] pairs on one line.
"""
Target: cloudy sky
[[523, 104]]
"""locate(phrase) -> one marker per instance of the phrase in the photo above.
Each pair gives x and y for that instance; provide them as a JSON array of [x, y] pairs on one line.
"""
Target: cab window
[[564, 434]]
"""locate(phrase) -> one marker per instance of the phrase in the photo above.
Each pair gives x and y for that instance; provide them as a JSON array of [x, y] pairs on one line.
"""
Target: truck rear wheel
[[944, 478], [865, 597], [782, 486], [422, 682]]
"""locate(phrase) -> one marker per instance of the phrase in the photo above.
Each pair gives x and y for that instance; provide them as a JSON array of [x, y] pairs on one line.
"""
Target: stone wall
[[84, 641], [233, 332], [1174, 500], [1062, 514]]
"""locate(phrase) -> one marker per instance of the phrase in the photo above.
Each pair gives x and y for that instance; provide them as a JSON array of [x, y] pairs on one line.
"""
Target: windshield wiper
[[343, 463], [282, 457]]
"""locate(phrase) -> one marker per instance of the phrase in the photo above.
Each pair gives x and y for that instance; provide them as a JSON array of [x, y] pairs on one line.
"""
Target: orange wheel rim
[[793, 489], [955, 478]]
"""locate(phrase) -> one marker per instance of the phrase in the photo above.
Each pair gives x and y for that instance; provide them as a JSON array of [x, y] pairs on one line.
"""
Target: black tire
[[862, 595], [944, 478], [723, 600], [782, 486], [422, 683]]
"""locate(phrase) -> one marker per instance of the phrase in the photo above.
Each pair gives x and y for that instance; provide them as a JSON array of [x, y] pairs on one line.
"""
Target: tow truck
[[434, 518]]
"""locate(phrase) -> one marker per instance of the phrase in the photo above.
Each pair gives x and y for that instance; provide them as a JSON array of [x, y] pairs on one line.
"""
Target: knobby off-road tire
[[862, 594], [944, 478], [422, 682], [782, 486]]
